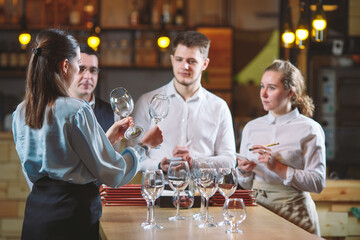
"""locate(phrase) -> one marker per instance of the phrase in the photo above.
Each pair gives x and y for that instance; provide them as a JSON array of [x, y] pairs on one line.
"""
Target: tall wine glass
[[227, 184], [159, 108], [123, 105], [153, 184], [235, 213], [195, 174], [148, 203], [179, 178], [207, 187]]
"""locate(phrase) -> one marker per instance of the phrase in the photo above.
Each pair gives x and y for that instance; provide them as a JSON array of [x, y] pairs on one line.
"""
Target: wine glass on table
[[235, 213], [207, 187], [195, 174], [159, 108], [123, 105], [148, 203], [178, 178], [153, 185], [227, 184]]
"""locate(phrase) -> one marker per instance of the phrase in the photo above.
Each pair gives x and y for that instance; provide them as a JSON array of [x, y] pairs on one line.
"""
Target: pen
[[269, 145]]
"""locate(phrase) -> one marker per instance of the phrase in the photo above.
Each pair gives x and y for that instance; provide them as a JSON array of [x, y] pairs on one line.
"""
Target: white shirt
[[203, 123], [301, 148]]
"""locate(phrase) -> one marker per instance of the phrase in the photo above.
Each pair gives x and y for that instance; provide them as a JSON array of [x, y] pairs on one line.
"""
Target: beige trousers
[[293, 205]]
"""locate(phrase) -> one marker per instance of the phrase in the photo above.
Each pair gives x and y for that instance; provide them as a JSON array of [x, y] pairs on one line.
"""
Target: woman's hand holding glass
[[178, 177], [153, 185], [123, 105], [227, 184], [235, 213]]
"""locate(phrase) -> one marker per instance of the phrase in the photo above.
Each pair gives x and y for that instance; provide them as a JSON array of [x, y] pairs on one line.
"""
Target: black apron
[[61, 210]]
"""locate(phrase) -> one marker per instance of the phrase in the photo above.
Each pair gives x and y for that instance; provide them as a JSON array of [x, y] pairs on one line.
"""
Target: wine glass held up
[[123, 105], [159, 109], [178, 178]]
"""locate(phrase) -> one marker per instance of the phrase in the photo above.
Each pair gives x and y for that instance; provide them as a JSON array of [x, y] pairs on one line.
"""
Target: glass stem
[[148, 211], [152, 220], [207, 211], [202, 205], [177, 204]]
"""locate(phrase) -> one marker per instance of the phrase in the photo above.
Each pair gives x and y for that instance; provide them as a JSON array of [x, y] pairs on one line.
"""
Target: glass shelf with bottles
[[134, 49]]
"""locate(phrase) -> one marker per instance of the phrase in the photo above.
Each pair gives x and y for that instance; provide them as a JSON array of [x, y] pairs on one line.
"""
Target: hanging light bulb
[[93, 40], [319, 23], [302, 32], [24, 38], [163, 41], [288, 36]]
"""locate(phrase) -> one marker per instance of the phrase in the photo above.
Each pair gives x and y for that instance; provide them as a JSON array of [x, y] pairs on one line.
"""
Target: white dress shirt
[[301, 148], [203, 123]]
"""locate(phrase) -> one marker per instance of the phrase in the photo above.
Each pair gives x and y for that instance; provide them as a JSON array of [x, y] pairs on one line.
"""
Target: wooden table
[[124, 223]]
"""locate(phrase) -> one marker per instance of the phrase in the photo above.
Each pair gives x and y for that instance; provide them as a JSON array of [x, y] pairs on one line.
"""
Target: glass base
[[144, 224], [176, 218], [200, 216], [153, 226], [207, 225], [133, 132], [236, 230]]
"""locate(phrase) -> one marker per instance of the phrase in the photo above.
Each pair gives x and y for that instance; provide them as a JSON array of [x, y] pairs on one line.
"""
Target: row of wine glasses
[[123, 104], [208, 180]]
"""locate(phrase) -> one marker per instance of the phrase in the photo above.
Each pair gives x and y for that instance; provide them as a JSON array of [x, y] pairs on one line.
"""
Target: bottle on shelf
[[155, 14], [179, 18], [4, 55], [89, 12], [134, 14], [2, 12], [14, 55], [166, 13], [124, 52], [63, 12], [49, 13], [74, 15]]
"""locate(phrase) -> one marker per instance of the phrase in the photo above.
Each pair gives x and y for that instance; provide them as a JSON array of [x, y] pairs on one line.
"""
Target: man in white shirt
[[199, 124]]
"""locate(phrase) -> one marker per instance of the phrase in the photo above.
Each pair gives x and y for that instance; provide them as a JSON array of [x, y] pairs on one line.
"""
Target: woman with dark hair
[[63, 149], [282, 175]]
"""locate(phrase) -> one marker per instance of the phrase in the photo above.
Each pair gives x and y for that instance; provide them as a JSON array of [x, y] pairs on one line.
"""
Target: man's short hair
[[193, 39], [84, 48]]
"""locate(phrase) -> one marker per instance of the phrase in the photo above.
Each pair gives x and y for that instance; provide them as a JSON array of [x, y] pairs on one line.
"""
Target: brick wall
[[13, 190]]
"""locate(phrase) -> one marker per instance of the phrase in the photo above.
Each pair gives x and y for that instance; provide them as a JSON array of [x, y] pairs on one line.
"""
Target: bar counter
[[123, 222]]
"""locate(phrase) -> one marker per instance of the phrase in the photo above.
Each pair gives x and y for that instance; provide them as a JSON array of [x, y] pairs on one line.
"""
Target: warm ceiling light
[[319, 23], [288, 39], [163, 42], [24, 38], [93, 41]]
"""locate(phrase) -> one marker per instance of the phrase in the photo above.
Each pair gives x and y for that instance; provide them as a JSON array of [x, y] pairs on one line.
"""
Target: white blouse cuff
[[289, 176]]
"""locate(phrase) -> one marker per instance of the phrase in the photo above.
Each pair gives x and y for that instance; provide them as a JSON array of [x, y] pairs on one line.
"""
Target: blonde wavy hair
[[294, 80]]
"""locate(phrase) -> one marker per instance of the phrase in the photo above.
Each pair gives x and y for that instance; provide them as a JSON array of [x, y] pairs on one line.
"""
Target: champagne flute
[[227, 184], [195, 174], [159, 109], [179, 178], [153, 184], [123, 105], [235, 213], [207, 187]]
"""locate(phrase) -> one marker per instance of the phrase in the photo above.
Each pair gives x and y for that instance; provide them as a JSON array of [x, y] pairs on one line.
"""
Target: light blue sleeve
[[98, 155]]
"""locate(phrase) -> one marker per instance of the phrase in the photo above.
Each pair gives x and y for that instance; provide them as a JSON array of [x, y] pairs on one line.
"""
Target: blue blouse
[[72, 147]]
